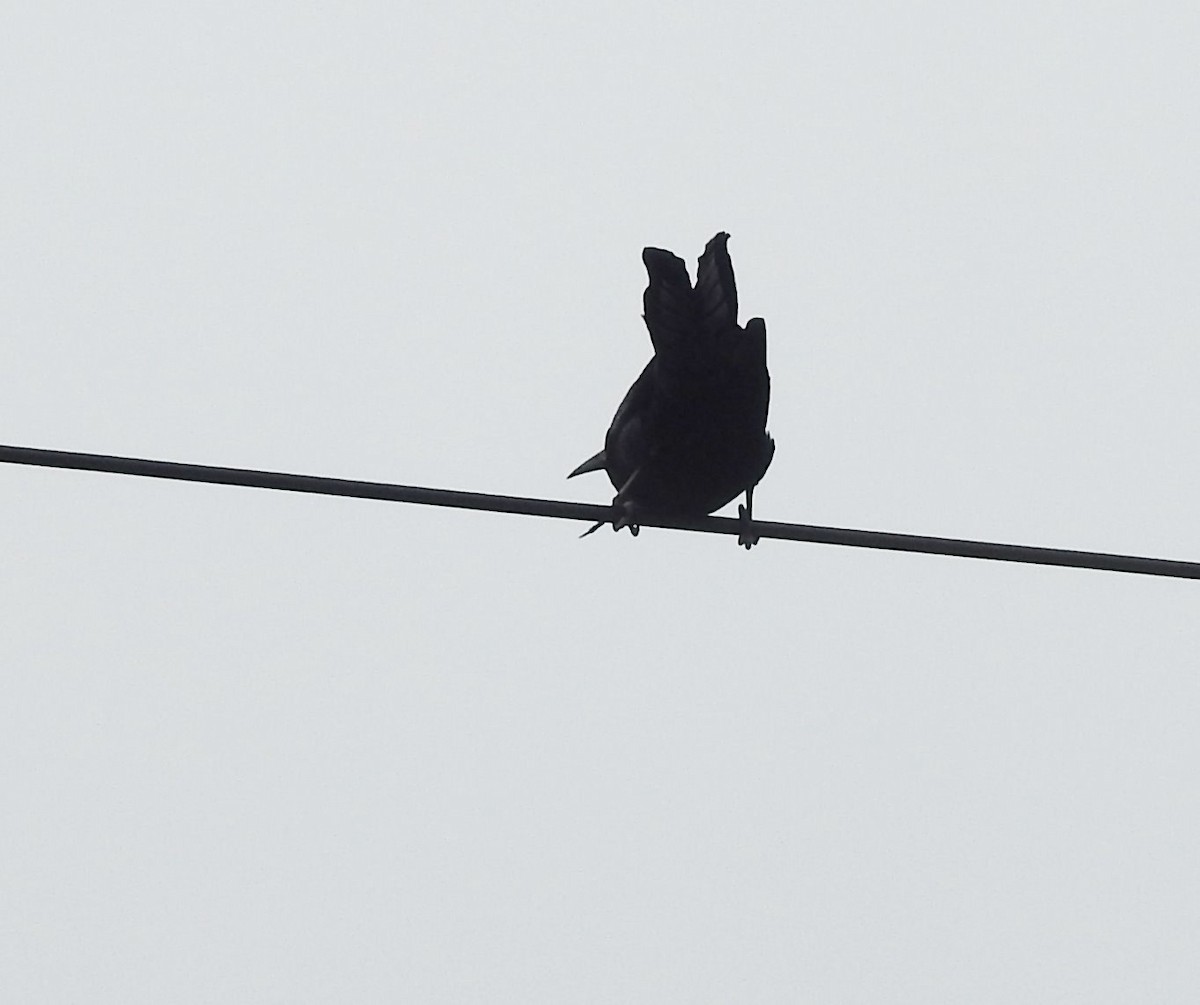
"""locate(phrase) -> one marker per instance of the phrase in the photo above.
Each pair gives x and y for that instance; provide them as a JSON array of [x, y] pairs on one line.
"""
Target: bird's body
[[690, 434]]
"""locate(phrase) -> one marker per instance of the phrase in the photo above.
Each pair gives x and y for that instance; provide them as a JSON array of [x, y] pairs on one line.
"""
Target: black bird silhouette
[[691, 434]]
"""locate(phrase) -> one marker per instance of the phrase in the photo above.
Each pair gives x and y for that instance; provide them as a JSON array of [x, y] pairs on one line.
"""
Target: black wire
[[591, 512]]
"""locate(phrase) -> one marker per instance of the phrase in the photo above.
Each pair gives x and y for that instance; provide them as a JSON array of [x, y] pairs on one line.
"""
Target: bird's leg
[[747, 535], [623, 508], [623, 511]]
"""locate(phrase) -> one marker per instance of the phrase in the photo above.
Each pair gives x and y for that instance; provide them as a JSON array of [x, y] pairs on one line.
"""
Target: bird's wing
[[752, 361], [688, 326], [668, 303], [715, 297]]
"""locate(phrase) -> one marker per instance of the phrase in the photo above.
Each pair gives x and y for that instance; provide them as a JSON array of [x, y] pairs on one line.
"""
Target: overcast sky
[[264, 747]]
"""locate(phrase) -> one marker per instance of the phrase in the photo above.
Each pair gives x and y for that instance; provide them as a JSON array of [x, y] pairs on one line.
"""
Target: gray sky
[[258, 747]]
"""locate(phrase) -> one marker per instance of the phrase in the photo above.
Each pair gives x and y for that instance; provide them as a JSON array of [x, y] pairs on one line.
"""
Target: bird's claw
[[747, 535], [622, 517]]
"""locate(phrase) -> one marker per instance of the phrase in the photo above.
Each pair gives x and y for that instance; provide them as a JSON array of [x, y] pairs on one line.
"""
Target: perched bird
[[691, 433]]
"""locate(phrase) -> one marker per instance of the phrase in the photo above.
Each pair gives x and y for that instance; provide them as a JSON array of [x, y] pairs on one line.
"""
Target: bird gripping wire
[[562, 510]]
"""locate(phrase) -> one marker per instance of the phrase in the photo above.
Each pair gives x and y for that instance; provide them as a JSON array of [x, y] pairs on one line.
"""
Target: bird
[[690, 434]]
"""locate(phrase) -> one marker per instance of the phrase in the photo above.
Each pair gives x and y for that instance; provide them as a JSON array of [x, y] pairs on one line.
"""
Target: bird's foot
[[624, 510], [747, 535], [623, 516]]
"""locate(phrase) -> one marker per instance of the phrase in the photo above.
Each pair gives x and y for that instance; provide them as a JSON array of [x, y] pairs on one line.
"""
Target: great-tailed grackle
[[691, 432]]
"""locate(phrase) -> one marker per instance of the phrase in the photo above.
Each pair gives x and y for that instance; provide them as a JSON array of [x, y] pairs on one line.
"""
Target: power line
[[590, 512]]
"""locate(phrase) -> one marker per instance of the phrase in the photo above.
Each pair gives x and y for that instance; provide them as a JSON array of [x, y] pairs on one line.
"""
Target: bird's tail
[[596, 462]]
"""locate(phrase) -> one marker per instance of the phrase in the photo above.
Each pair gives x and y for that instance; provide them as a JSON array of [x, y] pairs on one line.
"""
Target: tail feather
[[596, 462]]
